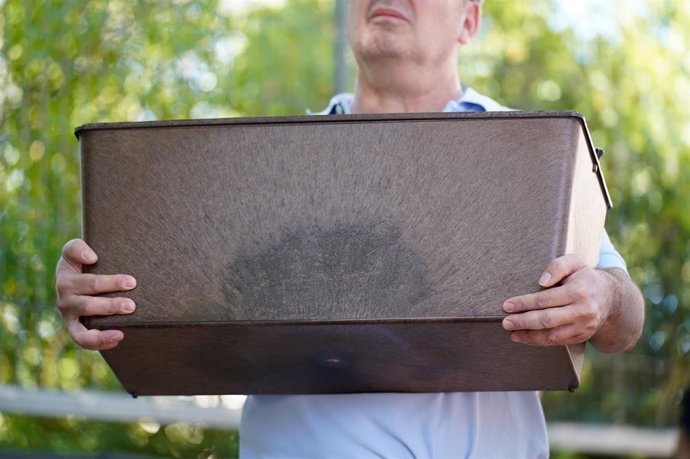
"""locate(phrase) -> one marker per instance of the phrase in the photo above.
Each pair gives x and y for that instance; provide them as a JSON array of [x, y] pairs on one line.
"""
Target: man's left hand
[[575, 304]]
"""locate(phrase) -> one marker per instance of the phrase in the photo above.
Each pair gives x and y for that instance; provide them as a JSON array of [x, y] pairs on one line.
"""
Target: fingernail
[[544, 279], [508, 307], [515, 338], [128, 306], [130, 282], [508, 324], [88, 255]]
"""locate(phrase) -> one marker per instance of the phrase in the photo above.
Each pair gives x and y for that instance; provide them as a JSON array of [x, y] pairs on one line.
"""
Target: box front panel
[[327, 221]]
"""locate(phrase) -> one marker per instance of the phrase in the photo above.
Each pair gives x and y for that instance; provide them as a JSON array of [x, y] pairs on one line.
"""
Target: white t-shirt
[[491, 425]]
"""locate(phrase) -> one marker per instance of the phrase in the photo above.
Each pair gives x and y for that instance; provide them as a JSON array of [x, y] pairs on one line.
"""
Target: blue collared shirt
[[471, 101], [480, 425]]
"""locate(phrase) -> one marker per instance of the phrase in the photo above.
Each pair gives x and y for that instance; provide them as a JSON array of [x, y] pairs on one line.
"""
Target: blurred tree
[[631, 80], [71, 62], [66, 63]]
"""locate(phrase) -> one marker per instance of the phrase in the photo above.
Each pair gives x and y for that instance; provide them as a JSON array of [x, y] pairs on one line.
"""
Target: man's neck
[[397, 89]]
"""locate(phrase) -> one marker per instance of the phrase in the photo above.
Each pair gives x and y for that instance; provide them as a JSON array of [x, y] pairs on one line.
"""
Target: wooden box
[[336, 254]]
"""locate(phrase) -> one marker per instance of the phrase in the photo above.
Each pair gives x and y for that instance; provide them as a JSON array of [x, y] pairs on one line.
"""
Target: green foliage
[[66, 63], [631, 85], [287, 65], [70, 62], [178, 440]]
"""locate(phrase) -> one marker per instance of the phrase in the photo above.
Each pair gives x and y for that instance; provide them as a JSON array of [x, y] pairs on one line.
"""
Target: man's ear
[[472, 19]]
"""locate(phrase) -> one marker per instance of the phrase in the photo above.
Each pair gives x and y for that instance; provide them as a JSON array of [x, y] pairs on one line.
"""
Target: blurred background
[[623, 64]]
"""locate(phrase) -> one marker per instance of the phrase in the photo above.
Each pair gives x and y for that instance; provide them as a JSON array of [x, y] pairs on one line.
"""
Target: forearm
[[623, 328]]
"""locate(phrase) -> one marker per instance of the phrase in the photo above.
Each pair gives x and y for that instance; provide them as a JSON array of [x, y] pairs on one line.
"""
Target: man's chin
[[383, 53], [384, 43]]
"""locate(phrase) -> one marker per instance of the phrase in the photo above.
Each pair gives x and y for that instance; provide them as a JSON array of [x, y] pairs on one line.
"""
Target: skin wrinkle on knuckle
[[524, 305], [62, 285], [584, 327], [582, 313], [70, 265], [546, 320], [63, 304], [590, 312], [95, 283], [94, 308], [551, 339], [115, 306], [541, 300], [69, 280], [519, 304], [591, 329], [123, 280], [86, 309], [581, 292]]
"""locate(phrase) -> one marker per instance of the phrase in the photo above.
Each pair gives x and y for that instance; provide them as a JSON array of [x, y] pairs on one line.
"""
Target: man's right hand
[[75, 294]]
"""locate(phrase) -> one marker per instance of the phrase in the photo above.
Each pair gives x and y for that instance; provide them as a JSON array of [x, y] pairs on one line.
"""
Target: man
[[406, 54]]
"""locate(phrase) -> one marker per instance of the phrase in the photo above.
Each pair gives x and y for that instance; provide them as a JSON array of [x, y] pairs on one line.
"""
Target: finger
[[77, 252], [560, 336], [559, 269], [542, 320], [95, 340], [553, 297], [91, 284], [82, 305]]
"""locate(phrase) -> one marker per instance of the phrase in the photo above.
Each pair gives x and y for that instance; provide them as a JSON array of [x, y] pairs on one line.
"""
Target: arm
[[579, 303], [623, 328], [76, 290]]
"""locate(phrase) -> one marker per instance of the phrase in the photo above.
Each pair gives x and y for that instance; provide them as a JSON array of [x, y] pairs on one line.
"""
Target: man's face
[[423, 31]]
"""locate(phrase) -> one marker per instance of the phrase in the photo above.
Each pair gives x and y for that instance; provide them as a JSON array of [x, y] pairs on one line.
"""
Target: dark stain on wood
[[317, 272]]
